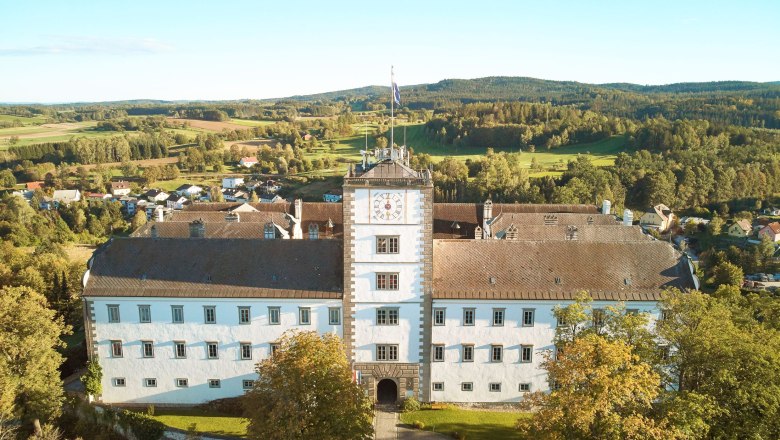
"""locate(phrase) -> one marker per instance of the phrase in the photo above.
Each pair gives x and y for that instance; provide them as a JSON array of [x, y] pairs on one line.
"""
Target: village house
[[270, 198], [32, 186], [235, 195], [427, 304], [97, 197], [771, 230], [659, 217], [66, 196], [740, 228], [232, 182], [176, 201], [333, 196], [189, 190], [248, 162], [120, 188], [156, 195]]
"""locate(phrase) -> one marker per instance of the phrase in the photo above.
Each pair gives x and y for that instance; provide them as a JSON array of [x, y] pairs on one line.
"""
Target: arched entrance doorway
[[386, 391]]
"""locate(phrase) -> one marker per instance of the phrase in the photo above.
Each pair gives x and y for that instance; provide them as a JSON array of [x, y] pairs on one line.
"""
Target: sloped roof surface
[[217, 268]]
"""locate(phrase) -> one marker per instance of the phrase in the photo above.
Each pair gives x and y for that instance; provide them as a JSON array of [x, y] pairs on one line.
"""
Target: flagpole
[[392, 108]]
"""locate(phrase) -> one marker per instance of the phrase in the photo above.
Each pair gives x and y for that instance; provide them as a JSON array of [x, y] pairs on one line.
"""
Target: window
[[664, 352], [561, 321], [145, 313], [334, 316], [386, 245], [632, 311], [438, 386], [274, 347], [387, 281], [386, 316], [498, 317], [467, 386], [525, 387], [247, 384], [496, 353], [664, 315], [495, 387], [243, 315], [215, 383], [147, 349], [119, 381], [209, 315], [438, 353], [304, 315], [212, 350], [179, 349], [526, 353], [438, 316], [314, 231], [598, 318], [113, 313], [528, 317], [274, 314], [150, 382], [116, 349], [385, 352], [182, 383], [468, 316], [178, 314], [468, 353], [269, 232], [246, 350]]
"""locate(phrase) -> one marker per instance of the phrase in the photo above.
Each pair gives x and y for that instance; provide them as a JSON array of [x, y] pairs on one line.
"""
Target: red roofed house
[[32, 186], [248, 162], [771, 230]]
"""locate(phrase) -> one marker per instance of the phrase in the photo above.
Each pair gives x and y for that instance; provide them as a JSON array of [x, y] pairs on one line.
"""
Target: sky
[[69, 51]]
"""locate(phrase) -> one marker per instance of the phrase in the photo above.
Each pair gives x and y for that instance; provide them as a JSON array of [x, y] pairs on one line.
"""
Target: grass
[[206, 422], [475, 424], [24, 120], [250, 122]]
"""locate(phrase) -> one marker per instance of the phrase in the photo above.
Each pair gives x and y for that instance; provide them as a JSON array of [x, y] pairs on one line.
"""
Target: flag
[[396, 92]]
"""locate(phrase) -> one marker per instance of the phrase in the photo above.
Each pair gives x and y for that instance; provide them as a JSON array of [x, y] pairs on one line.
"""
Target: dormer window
[[314, 231], [557, 280], [511, 233], [269, 231]]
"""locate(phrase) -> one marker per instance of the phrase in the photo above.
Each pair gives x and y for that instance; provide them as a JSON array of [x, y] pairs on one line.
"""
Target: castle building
[[447, 302]]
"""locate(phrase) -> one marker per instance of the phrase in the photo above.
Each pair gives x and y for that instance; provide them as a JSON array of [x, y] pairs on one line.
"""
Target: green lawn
[[476, 424], [24, 120], [205, 422]]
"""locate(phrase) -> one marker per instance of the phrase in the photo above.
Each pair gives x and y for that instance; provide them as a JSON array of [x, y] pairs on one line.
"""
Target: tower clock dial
[[388, 206]]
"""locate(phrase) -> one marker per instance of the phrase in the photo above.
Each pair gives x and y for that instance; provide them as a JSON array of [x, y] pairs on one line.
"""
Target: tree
[[29, 337], [139, 219], [601, 391], [216, 194], [727, 273], [253, 196], [7, 179], [716, 225], [305, 391], [92, 378]]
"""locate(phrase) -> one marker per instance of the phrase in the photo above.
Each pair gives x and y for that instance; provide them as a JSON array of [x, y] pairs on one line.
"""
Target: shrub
[[418, 424], [150, 410], [459, 436], [411, 404], [92, 378], [142, 425]]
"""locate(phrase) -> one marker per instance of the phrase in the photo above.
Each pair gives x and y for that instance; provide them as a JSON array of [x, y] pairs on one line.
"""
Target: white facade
[[197, 368], [511, 337], [407, 263], [232, 182]]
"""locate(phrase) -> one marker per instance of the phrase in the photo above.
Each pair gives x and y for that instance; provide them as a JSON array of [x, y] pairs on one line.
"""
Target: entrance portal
[[386, 391]]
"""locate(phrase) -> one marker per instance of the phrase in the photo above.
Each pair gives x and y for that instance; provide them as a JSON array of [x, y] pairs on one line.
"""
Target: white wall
[[408, 263], [510, 372], [197, 368]]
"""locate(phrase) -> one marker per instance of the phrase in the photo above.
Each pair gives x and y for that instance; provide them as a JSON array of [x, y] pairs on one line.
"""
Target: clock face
[[388, 206]]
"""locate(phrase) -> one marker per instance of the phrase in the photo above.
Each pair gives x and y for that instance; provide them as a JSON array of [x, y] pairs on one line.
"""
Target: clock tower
[[388, 245]]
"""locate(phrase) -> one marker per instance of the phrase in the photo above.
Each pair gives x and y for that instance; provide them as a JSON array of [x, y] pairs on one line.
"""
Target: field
[[475, 424], [211, 125]]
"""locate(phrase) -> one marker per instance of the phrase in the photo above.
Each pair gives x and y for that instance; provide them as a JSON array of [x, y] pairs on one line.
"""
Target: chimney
[[153, 231], [197, 229], [487, 215], [298, 209], [232, 217], [628, 217], [605, 207]]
